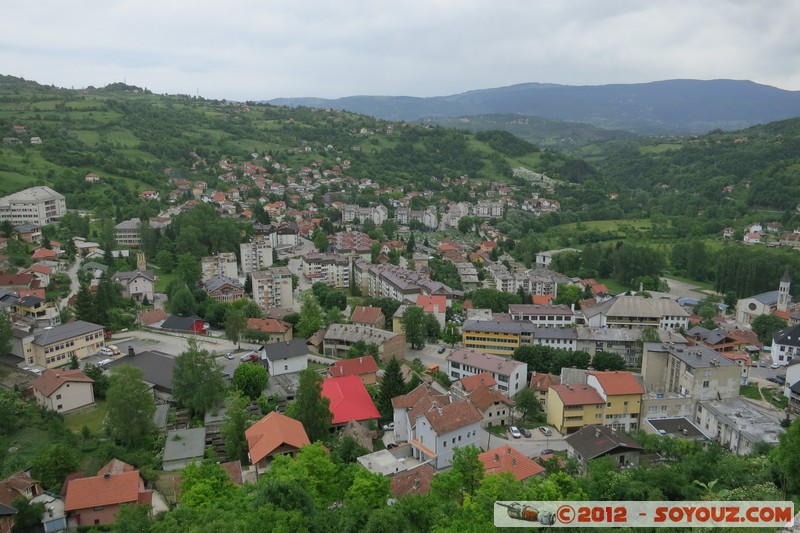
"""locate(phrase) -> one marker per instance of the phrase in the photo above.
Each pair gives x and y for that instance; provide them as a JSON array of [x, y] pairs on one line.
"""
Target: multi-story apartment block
[[488, 209], [503, 337], [255, 255], [543, 316], [535, 281], [273, 288], [377, 213], [222, 264], [607, 398], [333, 269], [428, 217], [511, 376], [637, 312], [352, 243], [37, 205], [339, 338], [389, 281], [129, 233]]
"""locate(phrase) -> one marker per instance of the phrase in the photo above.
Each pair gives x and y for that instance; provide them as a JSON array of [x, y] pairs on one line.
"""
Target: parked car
[[440, 350], [251, 356], [545, 431], [781, 379], [104, 362], [525, 432], [391, 446], [389, 426], [114, 349], [229, 355], [514, 432], [106, 351], [763, 363], [547, 451], [774, 366]]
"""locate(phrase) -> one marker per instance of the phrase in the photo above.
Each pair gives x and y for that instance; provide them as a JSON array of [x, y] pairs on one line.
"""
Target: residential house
[[510, 375], [278, 330], [368, 316], [224, 289], [413, 481], [786, 345], [30, 233], [153, 318], [54, 347], [364, 367], [63, 390], [97, 500], [37, 312], [737, 424], [273, 435], [594, 442], [182, 447], [543, 259], [678, 428], [138, 284], [540, 383], [18, 485], [285, 357], [507, 459], [339, 338], [349, 400], [435, 305], [272, 288], [494, 406], [157, 368], [438, 431], [7, 518]]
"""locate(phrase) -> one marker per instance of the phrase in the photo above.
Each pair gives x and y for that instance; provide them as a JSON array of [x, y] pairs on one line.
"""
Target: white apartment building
[[333, 269], [273, 288], [256, 255], [223, 264], [510, 375], [37, 205]]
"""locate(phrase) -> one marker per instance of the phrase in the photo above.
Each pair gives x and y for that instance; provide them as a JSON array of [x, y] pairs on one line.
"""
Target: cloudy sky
[[254, 50]]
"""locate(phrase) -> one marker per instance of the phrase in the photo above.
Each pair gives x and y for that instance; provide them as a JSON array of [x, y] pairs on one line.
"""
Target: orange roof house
[[414, 481], [618, 382], [63, 390], [96, 500], [364, 367], [19, 485], [279, 331], [507, 459], [275, 434], [368, 316]]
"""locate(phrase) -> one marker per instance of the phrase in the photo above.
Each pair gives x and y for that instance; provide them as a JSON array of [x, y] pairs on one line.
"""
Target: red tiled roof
[[427, 302], [234, 471], [540, 381], [452, 416], [354, 367], [414, 481], [43, 253], [483, 397], [542, 299], [507, 459], [618, 382], [151, 317], [273, 431], [365, 315], [268, 325], [13, 486], [349, 399], [115, 466], [577, 394], [470, 383], [52, 380], [99, 491]]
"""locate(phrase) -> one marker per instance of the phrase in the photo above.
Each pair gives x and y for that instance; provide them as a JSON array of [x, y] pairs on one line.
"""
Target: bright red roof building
[[349, 399], [618, 382], [507, 459], [354, 367], [431, 304]]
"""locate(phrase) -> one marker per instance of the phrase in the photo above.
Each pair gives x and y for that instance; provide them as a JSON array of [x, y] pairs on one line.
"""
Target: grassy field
[[660, 148], [774, 395], [750, 391], [25, 445], [91, 418]]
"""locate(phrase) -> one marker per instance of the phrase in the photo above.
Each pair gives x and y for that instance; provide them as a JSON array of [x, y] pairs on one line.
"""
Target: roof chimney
[[513, 461], [107, 475], [497, 457], [416, 483], [597, 432], [360, 360]]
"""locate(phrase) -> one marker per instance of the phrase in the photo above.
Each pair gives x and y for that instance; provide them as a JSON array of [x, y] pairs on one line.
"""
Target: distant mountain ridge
[[660, 107]]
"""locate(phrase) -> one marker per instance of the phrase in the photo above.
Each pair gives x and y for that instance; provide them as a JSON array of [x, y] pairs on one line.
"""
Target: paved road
[[683, 289], [531, 446]]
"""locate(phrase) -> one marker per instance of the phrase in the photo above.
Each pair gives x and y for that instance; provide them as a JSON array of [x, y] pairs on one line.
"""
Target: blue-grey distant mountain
[[671, 106]]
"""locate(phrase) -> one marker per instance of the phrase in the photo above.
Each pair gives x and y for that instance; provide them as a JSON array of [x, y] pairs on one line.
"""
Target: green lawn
[[24, 446], [93, 418], [775, 396], [750, 391]]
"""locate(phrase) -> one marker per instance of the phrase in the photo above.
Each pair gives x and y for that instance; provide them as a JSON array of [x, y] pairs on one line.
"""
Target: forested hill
[[758, 168], [661, 107]]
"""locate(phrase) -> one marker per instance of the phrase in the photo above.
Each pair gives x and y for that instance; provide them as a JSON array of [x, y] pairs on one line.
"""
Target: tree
[[526, 403], [787, 457], [765, 326], [182, 302], [389, 228], [250, 380], [348, 449], [567, 294], [29, 515], [53, 464], [84, 305], [130, 406], [497, 301], [235, 324], [310, 407], [236, 423], [468, 467], [411, 245], [197, 380], [431, 327], [16, 411], [310, 315], [100, 381], [392, 385], [413, 322], [450, 335], [6, 333], [320, 241], [604, 361], [189, 270], [248, 284]]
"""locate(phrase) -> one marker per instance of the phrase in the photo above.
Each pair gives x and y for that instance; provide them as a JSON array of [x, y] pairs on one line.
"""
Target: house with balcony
[[224, 289], [138, 284], [510, 375]]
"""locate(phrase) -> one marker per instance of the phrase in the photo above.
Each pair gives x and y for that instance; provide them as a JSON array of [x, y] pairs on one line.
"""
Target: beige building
[[339, 338], [37, 205], [63, 390], [137, 284], [637, 312], [53, 347], [332, 269], [255, 256], [273, 288], [223, 264]]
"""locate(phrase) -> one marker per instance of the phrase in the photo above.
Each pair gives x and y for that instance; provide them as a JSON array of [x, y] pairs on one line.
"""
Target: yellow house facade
[[54, 347], [498, 338], [571, 407]]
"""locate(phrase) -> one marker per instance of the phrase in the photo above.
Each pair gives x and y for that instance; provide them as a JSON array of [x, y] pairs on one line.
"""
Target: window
[[625, 403], [454, 440], [608, 404], [444, 444], [58, 407], [663, 407], [705, 384], [286, 367]]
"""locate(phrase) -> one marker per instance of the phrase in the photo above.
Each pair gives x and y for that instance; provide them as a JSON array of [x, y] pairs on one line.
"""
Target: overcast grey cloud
[[254, 50]]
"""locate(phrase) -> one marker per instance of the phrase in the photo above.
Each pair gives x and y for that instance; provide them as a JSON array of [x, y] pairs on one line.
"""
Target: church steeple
[[784, 296]]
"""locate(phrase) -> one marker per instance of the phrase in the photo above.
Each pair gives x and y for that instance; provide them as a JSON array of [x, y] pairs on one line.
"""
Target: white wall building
[[273, 288], [255, 255], [511, 376], [36, 205]]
